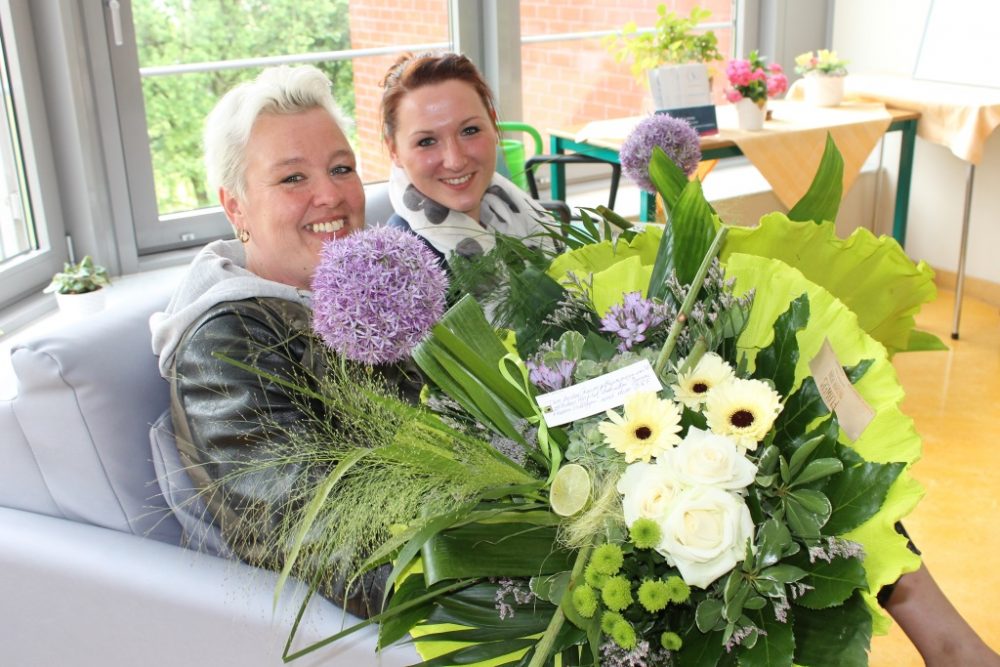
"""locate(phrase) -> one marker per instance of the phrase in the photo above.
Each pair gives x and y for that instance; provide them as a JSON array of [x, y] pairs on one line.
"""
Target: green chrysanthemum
[[594, 578], [645, 533], [608, 621], [617, 593], [654, 594], [678, 590], [585, 601], [671, 641], [624, 634], [607, 558]]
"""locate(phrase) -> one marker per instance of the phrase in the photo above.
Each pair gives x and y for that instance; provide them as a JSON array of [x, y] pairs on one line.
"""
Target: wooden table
[[722, 145]]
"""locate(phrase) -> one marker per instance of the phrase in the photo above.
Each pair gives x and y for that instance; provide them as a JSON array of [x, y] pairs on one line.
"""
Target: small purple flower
[[632, 319], [675, 136], [376, 294], [511, 588], [547, 378]]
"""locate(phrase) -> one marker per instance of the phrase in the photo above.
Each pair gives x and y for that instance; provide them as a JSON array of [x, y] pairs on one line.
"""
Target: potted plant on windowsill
[[824, 76], [675, 40], [79, 287]]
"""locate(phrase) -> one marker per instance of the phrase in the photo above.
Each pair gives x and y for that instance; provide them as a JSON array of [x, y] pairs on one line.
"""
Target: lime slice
[[570, 490]]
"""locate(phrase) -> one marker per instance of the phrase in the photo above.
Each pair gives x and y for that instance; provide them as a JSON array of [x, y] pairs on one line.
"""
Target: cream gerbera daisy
[[693, 385], [744, 409], [648, 428]]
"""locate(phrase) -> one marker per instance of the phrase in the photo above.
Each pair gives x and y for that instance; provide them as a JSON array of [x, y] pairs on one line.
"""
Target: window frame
[[155, 233], [23, 275]]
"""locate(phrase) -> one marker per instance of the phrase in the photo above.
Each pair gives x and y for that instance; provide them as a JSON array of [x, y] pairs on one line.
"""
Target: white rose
[[705, 534], [713, 460], [648, 490]]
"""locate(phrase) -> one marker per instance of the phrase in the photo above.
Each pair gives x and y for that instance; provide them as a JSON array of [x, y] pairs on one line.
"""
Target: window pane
[[591, 85], [174, 32], [210, 35], [17, 230]]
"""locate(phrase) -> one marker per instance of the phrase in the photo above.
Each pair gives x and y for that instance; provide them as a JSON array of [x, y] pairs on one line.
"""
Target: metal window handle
[[116, 20]]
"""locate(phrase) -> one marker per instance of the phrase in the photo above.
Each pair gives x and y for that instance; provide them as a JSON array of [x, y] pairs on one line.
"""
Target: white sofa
[[92, 568]]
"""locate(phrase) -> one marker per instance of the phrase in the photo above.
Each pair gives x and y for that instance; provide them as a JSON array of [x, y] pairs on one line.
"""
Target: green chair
[[514, 151], [511, 163]]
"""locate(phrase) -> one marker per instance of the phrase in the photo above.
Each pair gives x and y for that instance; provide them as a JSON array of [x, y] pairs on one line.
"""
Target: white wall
[[884, 36]]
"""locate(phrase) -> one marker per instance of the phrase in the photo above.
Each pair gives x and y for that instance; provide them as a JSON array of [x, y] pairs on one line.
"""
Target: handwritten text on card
[[597, 395]]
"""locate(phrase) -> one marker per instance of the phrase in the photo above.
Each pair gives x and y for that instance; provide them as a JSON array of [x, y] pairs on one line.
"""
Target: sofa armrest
[[77, 594]]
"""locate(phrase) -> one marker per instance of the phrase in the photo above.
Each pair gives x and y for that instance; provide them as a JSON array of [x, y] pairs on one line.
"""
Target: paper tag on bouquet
[[598, 394], [837, 392]]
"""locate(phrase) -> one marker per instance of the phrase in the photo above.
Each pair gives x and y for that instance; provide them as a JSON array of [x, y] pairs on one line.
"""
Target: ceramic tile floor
[[954, 398]]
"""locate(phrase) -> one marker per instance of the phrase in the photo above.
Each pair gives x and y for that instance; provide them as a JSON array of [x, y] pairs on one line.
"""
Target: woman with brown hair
[[439, 123]]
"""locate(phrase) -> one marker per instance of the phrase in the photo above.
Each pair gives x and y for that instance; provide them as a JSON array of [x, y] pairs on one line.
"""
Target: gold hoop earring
[[243, 236]]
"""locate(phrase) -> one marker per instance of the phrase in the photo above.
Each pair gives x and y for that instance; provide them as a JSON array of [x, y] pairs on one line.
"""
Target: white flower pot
[[80, 305], [823, 90], [750, 115]]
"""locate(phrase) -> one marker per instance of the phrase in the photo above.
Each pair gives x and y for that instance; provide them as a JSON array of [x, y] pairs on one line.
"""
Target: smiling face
[[446, 143], [301, 189]]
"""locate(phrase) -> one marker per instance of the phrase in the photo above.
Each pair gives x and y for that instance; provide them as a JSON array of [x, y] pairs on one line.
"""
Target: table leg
[[960, 282], [647, 207], [905, 176], [557, 171]]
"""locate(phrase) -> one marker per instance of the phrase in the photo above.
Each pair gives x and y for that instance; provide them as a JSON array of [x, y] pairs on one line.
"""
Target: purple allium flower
[[376, 294], [633, 318], [675, 136], [548, 378]]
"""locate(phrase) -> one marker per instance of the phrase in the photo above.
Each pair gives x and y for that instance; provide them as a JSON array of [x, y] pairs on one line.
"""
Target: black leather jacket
[[225, 417]]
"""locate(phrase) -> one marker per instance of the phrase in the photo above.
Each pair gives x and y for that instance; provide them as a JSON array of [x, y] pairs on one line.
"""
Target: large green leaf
[[475, 606], [857, 493], [871, 275], [834, 637], [597, 257], [494, 550], [478, 653], [777, 361], [822, 200], [668, 178], [700, 649], [833, 582], [462, 357], [890, 437], [924, 341], [773, 649], [689, 233], [396, 627]]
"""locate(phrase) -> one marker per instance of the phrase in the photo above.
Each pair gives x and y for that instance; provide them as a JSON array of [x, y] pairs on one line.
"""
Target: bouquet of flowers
[[822, 61], [753, 79], [667, 446]]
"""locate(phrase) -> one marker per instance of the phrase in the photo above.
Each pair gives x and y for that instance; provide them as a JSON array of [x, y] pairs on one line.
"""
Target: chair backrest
[[512, 156], [378, 207]]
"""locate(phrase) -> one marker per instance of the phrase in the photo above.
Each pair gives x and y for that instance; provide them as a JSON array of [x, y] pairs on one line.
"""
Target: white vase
[[823, 90], [80, 305], [750, 114]]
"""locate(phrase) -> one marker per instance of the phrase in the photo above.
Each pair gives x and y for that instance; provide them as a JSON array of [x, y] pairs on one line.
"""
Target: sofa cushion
[[87, 395], [180, 494]]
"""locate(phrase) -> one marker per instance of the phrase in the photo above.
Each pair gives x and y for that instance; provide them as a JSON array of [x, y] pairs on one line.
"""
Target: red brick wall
[[563, 83], [377, 23]]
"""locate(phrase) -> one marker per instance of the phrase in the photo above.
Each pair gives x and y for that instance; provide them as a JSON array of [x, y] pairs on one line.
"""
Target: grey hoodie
[[217, 274]]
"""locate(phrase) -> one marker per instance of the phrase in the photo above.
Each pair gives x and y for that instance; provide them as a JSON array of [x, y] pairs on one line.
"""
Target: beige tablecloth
[[788, 149], [960, 118]]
